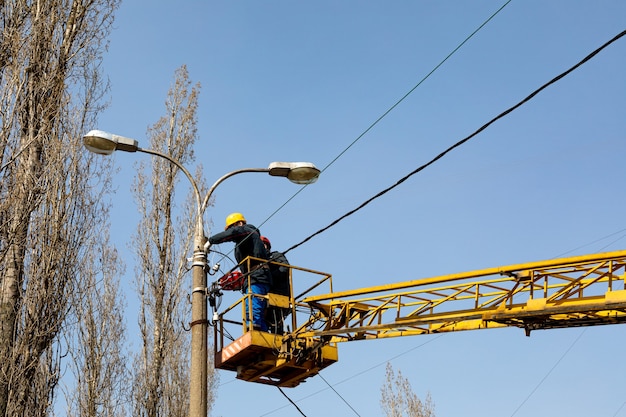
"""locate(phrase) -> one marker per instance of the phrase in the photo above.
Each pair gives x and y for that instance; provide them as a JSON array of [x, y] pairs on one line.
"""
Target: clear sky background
[[301, 81]]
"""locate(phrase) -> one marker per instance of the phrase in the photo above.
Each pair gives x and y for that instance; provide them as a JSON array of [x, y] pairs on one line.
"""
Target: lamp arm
[[224, 177]]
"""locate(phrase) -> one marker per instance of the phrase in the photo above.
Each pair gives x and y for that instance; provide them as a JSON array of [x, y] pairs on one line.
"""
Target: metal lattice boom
[[567, 292]]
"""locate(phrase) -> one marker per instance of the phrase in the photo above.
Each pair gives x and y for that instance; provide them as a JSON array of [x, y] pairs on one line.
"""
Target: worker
[[280, 285], [247, 239]]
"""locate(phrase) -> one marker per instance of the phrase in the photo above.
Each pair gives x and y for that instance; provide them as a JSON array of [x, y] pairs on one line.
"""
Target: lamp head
[[105, 143], [296, 172]]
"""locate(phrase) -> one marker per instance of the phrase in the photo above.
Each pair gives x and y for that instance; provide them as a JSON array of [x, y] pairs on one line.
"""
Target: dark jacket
[[280, 274], [247, 239]]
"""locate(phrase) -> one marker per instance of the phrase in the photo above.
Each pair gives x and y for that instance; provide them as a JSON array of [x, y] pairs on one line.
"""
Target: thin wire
[[612, 242], [294, 404], [463, 141], [417, 85], [549, 372], [361, 372], [459, 143], [390, 109], [339, 395], [619, 409], [596, 241]]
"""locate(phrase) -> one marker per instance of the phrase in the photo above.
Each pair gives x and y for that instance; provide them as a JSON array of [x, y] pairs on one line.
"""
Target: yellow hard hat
[[234, 218]]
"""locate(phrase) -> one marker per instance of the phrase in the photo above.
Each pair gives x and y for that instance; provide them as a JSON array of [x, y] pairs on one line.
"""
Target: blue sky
[[301, 81]]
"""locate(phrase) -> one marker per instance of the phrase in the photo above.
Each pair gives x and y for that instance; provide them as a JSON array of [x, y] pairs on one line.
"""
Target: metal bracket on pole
[[195, 323], [200, 289]]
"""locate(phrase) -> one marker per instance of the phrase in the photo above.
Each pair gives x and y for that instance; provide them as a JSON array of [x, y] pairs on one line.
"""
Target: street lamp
[[105, 143]]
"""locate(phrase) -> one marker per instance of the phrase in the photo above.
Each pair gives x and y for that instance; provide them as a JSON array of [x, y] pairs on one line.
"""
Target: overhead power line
[[370, 127], [549, 372], [390, 109], [339, 395], [291, 401], [463, 141]]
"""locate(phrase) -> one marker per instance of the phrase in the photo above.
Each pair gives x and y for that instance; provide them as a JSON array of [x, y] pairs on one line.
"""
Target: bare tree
[[96, 342], [399, 400], [49, 89], [161, 384]]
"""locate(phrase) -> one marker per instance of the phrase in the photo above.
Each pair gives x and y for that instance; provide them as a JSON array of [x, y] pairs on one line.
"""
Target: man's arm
[[230, 235]]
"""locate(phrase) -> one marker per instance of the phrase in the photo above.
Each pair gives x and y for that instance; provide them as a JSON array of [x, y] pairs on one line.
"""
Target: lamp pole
[[105, 143]]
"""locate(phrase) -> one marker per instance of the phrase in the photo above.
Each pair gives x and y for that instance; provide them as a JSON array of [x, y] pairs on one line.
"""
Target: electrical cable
[[612, 242], [390, 109], [438, 157], [622, 232], [294, 404], [417, 85], [463, 141], [619, 409], [339, 395], [362, 372], [549, 372]]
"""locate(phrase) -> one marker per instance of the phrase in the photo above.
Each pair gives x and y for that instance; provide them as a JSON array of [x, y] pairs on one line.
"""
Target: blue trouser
[[258, 306]]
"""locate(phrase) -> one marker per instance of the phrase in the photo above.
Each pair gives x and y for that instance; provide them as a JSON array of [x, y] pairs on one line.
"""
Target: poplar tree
[[399, 400], [162, 242], [96, 336], [50, 91]]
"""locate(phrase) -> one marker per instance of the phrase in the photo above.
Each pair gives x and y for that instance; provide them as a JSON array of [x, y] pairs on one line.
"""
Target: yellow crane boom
[[566, 292]]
